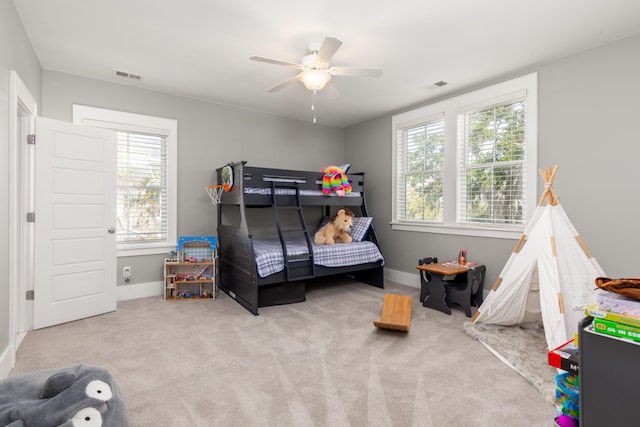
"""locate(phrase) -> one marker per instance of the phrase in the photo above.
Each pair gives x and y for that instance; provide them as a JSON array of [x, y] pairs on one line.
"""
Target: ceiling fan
[[315, 71]]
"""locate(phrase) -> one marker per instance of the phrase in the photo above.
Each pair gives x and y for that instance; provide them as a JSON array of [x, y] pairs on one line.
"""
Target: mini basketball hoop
[[215, 192]]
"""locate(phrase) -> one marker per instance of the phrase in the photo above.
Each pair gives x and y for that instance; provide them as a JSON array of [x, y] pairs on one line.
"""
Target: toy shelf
[[189, 280], [190, 272]]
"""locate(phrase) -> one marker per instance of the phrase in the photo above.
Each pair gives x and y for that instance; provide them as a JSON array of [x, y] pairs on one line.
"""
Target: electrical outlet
[[126, 273]]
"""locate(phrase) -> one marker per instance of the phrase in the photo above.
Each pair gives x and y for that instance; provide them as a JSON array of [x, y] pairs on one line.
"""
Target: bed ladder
[[296, 266]]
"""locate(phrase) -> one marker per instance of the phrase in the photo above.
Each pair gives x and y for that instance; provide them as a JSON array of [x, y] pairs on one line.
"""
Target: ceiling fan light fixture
[[315, 80]]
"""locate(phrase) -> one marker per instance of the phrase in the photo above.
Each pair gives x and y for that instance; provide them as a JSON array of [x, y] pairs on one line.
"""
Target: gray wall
[[209, 136], [588, 112], [16, 54]]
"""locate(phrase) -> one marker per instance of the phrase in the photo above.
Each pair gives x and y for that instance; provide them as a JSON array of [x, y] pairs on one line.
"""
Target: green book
[[617, 329]]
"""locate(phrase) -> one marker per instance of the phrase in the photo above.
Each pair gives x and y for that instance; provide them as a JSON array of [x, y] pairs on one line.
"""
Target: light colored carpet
[[315, 363]]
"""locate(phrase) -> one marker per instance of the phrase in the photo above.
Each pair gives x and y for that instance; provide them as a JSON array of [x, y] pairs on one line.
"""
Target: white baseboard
[[19, 338], [6, 361], [139, 290], [152, 289], [402, 277]]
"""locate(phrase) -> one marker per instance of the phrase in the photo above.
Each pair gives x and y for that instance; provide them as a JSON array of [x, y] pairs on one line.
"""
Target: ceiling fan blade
[[355, 71], [284, 84], [276, 62], [329, 47]]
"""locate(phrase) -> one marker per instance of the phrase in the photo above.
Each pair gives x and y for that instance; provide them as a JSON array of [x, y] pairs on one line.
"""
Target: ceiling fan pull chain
[[313, 104]]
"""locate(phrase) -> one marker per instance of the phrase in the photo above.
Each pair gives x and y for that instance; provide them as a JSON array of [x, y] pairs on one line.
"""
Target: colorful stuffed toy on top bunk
[[335, 179]]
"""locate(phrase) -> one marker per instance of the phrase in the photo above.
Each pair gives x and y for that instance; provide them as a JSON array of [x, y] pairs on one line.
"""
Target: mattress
[[269, 259]]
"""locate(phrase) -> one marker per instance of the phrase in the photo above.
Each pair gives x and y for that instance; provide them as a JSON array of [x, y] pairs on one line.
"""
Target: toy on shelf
[[196, 248], [190, 270], [462, 257], [567, 396]]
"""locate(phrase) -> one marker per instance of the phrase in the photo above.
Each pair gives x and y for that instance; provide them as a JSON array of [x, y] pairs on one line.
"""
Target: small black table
[[433, 292]]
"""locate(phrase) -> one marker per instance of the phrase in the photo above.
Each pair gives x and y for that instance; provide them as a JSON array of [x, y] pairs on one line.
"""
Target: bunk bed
[[259, 272]]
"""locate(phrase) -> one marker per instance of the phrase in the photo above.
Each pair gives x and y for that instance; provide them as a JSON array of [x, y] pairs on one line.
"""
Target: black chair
[[468, 290], [426, 277]]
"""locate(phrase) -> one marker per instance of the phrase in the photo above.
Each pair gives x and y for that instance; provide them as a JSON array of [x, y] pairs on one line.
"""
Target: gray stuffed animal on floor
[[81, 395]]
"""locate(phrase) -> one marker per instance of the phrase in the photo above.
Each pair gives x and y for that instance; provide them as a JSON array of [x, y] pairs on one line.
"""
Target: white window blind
[[492, 166], [142, 187], [420, 159]]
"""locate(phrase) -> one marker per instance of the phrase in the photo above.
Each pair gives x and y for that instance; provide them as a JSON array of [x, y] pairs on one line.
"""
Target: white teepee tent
[[551, 271]]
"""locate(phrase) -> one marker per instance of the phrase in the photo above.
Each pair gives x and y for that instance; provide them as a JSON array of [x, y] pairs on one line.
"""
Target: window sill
[[137, 249], [460, 230]]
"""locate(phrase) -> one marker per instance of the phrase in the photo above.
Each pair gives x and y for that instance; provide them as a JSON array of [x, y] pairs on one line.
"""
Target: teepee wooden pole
[[520, 243], [548, 194], [560, 303], [543, 174], [584, 247], [554, 197]]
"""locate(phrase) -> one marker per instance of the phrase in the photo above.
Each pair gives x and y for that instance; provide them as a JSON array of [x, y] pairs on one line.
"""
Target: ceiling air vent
[[125, 74]]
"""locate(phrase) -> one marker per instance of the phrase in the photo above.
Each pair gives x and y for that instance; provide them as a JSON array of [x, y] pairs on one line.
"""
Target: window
[[421, 172], [467, 165], [146, 199], [492, 164]]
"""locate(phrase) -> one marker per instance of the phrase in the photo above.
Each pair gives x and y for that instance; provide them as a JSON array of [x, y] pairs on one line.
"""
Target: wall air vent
[[128, 75]]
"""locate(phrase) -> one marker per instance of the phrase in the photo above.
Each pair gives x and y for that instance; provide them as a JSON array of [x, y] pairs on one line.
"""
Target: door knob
[[112, 230]]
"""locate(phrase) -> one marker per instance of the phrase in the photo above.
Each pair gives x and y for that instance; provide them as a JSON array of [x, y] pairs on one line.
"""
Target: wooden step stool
[[396, 313]]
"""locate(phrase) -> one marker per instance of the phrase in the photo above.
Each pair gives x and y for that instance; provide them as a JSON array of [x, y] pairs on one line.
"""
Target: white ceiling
[[201, 48]]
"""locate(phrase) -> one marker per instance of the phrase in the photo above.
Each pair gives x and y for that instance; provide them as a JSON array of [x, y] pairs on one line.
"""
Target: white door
[[75, 217]]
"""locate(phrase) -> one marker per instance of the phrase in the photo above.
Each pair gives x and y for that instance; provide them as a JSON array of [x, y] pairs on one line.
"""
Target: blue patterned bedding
[[269, 259]]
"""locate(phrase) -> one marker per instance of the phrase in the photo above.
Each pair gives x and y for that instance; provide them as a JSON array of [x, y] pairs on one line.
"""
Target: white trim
[[416, 121], [112, 119], [19, 338], [129, 127], [7, 361], [139, 290], [459, 230], [21, 103], [136, 249], [450, 108], [483, 103], [402, 277]]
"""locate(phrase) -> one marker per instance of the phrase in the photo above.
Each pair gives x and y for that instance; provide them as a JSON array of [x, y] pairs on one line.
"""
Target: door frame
[[23, 108]]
